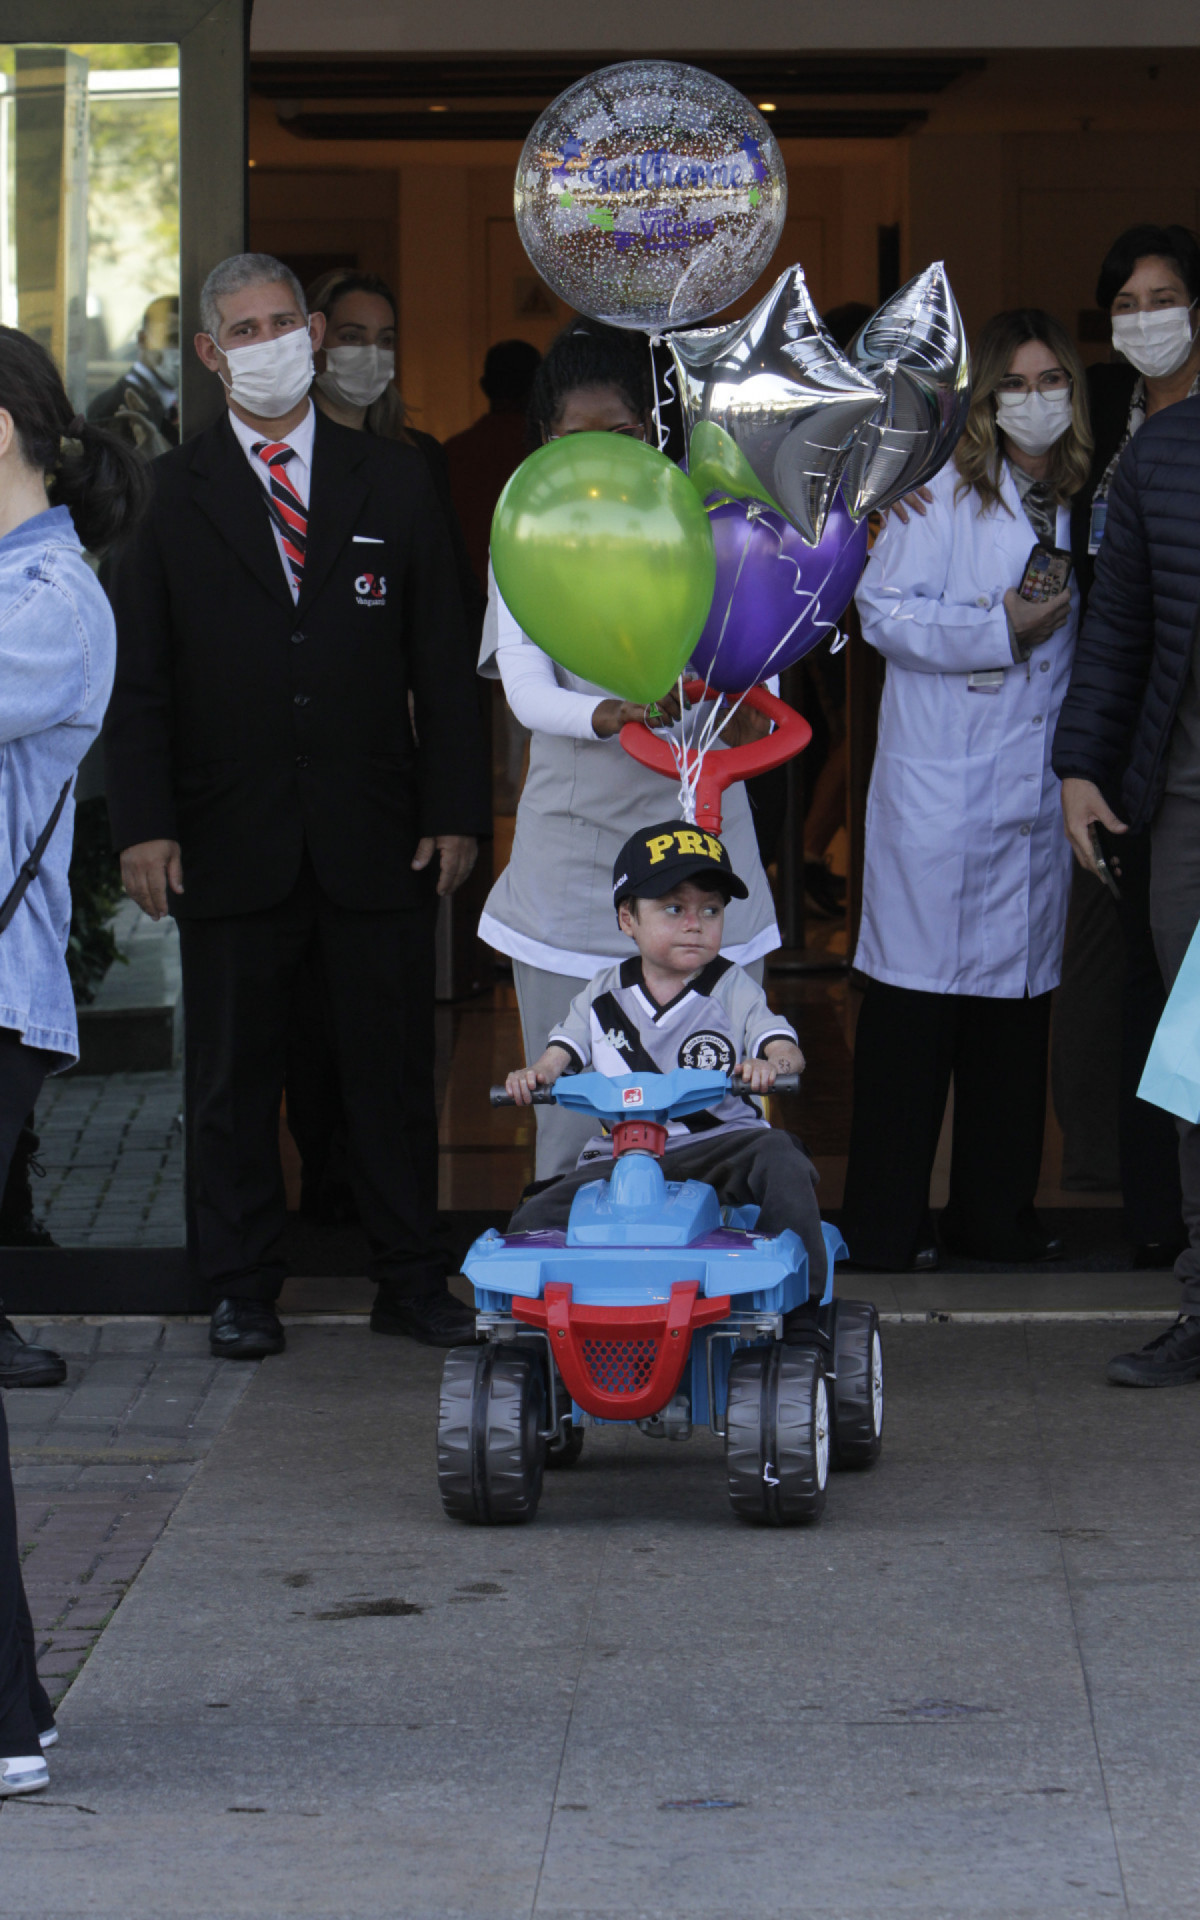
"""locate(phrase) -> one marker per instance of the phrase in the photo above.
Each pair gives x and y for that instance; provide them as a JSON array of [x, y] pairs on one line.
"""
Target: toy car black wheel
[[857, 1386], [566, 1446], [490, 1451], [777, 1434]]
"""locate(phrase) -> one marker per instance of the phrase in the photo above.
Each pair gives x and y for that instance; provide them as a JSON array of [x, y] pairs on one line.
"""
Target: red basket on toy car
[[621, 1363]]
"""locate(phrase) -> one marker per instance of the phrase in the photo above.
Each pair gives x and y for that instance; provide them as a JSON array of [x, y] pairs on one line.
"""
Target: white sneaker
[[48, 1739], [28, 1773]]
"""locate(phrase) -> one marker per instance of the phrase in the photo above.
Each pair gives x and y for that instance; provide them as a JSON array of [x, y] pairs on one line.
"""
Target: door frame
[[213, 41]]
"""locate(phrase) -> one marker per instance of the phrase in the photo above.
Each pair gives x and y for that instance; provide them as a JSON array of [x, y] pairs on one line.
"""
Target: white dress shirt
[[299, 470]]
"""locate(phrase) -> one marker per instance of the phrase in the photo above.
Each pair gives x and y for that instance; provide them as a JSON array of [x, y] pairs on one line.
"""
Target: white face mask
[[357, 375], [166, 366], [1155, 343], [272, 376], [1033, 421]]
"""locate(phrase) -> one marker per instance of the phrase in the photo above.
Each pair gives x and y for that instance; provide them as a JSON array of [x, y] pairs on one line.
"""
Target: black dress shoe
[[435, 1319], [244, 1330], [24, 1366], [1051, 1246], [1155, 1256]]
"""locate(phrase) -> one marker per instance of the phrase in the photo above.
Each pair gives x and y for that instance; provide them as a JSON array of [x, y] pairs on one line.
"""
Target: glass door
[[122, 182]]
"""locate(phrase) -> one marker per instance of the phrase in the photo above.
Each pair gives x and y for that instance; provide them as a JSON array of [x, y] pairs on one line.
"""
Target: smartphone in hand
[[1047, 571], [1100, 856]]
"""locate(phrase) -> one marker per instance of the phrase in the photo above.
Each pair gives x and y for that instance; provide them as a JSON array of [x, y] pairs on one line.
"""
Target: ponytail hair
[[102, 481]]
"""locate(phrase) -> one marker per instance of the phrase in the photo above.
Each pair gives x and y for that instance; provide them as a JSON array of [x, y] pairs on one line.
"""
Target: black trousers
[[1148, 1138], [908, 1047], [25, 1710], [238, 978]]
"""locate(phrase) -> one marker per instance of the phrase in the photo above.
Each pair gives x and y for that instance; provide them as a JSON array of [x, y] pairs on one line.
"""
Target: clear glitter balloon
[[650, 194], [915, 351]]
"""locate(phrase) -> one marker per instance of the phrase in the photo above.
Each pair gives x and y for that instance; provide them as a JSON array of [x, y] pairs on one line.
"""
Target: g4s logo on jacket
[[370, 590]]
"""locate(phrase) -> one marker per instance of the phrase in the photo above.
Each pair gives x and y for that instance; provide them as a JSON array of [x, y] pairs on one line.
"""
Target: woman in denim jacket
[[57, 653]]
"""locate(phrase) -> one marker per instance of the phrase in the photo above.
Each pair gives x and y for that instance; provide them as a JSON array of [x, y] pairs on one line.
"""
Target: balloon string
[[662, 431], [721, 715]]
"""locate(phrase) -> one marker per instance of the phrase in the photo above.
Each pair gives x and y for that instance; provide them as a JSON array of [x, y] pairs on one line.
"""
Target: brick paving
[[112, 1148], [100, 1464]]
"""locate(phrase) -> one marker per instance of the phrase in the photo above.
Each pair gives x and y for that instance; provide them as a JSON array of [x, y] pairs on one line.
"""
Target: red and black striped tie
[[286, 508]]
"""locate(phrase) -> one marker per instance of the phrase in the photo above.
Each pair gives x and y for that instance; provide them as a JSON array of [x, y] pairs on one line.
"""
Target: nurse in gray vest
[[551, 909]]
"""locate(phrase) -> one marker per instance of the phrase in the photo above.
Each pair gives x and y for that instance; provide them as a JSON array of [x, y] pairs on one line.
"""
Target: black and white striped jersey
[[720, 1017]]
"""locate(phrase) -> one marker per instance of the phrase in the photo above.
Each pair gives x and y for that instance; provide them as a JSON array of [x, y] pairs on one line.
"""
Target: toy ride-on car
[[658, 1308]]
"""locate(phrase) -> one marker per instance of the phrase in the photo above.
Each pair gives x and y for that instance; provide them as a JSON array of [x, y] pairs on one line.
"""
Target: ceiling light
[[766, 106], [434, 109]]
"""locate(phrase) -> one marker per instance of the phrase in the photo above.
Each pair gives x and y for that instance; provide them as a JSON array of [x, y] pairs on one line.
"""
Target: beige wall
[[1019, 180], [436, 219]]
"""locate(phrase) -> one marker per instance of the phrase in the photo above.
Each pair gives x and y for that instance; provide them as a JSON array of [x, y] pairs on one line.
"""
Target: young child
[[677, 1003]]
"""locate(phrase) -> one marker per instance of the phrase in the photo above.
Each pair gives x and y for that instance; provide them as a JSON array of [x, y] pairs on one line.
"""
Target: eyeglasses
[[637, 432], [1054, 380]]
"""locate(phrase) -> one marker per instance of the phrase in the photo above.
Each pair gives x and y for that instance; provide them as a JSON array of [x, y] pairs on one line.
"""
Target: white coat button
[[1037, 719], [1045, 667], [1026, 831], [982, 601]]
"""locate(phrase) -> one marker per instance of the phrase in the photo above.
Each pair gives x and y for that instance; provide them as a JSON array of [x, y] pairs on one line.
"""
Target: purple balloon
[[771, 583]]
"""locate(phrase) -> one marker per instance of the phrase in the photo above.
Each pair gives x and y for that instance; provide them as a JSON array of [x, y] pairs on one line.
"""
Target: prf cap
[[658, 858]]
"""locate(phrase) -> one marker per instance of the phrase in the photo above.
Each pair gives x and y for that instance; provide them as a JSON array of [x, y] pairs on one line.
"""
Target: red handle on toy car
[[620, 1363], [720, 769]]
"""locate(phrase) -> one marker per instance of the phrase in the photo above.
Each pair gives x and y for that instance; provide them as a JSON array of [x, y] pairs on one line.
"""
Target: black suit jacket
[[246, 726]]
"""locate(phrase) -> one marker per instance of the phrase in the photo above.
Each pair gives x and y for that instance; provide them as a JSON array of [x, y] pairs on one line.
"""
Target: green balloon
[[604, 555], [716, 464]]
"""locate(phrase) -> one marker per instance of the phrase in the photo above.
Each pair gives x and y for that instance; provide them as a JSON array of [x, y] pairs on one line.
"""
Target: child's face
[[679, 933]]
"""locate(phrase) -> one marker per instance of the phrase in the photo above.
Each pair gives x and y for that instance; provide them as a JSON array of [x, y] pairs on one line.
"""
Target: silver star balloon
[[772, 406], [915, 351]]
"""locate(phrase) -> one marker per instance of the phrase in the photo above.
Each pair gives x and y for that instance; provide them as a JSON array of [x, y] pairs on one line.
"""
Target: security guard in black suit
[[294, 754]]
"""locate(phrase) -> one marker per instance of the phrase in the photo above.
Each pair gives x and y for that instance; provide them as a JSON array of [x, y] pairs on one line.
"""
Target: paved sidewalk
[[100, 1464], [969, 1693]]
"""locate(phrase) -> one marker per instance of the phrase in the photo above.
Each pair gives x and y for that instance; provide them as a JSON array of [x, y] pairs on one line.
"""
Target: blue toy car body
[[654, 1306]]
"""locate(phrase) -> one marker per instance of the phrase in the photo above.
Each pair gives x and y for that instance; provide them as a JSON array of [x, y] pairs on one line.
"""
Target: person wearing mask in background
[[966, 877], [62, 482], [285, 614], [1112, 993], [551, 908], [484, 457], [1127, 748], [356, 386], [143, 405]]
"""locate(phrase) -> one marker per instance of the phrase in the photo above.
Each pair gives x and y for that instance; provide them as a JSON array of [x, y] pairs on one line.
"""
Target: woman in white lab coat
[[967, 872]]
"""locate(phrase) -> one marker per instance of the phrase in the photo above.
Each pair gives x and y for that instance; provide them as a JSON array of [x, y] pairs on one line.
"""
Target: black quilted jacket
[[1135, 646]]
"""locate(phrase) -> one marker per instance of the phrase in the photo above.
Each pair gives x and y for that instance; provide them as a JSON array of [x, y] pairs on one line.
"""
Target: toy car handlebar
[[544, 1096]]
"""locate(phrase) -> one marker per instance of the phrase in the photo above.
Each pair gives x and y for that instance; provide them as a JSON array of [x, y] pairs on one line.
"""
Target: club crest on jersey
[[617, 1037], [370, 590], [707, 1052]]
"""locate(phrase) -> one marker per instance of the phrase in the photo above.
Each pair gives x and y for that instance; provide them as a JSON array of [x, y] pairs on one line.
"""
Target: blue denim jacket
[[57, 654]]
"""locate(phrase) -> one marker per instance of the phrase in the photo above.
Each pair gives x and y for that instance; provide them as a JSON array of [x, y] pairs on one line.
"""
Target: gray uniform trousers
[[759, 1166], [542, 1001], [1174, 914]]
